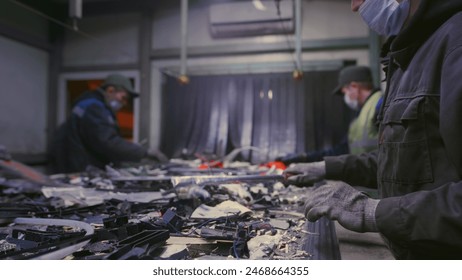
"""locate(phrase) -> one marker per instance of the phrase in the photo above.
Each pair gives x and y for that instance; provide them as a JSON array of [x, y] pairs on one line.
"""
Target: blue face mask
[[115, 105], [386, 17]]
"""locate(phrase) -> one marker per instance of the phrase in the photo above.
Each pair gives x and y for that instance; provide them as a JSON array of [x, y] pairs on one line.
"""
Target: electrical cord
[[65, 25]]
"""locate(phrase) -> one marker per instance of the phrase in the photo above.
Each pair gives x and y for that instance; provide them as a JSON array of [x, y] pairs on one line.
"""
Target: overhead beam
[[50, 8], [259, 67], [244, 49], [118, 6], [25, 38], [101, 67]]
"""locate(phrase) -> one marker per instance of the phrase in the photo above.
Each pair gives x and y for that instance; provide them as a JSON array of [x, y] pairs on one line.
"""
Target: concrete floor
[[361, 246]]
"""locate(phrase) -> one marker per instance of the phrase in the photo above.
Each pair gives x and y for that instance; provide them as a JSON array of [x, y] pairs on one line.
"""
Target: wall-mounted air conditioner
[[251, 18]]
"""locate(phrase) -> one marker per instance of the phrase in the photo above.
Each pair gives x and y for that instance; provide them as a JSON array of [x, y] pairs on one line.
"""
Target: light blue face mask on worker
[[352, 103], [386, 17], [115, 105]]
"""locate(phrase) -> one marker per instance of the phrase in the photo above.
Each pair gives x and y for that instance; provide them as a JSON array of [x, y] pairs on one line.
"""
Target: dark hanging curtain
[[213, 115], [327, 118]]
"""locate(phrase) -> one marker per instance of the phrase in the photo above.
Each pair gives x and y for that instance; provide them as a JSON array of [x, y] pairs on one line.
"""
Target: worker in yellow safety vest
[[356, 85]]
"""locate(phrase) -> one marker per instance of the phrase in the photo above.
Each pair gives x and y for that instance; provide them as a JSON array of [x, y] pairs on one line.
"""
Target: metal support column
[[55, 67], [145, 38]]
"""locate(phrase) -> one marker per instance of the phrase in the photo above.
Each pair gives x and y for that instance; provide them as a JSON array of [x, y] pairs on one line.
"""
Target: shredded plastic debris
[[171, 211]]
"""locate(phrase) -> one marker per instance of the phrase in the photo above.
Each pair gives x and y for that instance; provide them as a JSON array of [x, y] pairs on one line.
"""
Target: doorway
[[72, 85]]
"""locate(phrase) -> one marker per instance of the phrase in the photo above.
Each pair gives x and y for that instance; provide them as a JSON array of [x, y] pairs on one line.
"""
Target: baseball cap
[[121, 81], [352, 74]]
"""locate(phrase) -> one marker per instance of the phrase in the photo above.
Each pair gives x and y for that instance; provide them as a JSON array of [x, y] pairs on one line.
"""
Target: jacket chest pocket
[[404, 155]]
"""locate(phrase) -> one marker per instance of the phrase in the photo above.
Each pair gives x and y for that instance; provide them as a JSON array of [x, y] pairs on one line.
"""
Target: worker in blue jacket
[[90, 136]]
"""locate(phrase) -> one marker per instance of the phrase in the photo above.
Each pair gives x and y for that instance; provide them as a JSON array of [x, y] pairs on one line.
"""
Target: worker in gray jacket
[[418, 166]]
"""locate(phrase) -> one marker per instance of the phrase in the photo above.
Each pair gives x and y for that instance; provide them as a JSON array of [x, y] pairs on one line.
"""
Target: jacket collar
[[429, 17], [403, 57]]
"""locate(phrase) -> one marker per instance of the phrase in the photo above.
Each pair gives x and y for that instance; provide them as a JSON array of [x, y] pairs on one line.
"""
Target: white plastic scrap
[[239, 190], [260, 247], [224, 209], [87, 196]]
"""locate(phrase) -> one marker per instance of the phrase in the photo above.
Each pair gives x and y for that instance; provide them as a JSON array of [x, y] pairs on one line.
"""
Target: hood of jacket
[[93, 94], [430, 15], [98, 95]]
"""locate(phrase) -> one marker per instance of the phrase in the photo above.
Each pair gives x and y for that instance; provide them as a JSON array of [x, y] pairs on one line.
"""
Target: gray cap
[[352, 74], [120, 81]]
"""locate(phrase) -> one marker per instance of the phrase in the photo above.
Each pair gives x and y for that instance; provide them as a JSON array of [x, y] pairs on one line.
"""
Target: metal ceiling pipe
[[75, 12], [298, 33], [184, 40]]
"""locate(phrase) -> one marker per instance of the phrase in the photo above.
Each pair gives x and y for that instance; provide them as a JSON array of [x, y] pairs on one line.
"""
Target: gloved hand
[[339, 201], [303, 174], [157, 155], [292, 158]]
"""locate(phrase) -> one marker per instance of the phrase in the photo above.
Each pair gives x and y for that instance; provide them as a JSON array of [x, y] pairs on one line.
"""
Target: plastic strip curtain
[[215, 114]]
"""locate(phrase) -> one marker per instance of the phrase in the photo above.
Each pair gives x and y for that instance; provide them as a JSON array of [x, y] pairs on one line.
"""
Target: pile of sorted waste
[[178, 210]]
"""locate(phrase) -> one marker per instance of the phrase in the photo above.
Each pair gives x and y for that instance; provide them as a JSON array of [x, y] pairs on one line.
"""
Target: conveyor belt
[[321, 242]]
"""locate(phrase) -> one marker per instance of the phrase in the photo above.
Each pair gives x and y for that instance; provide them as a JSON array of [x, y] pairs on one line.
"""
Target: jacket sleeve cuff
[[370, 223], [334, 167], [389, 217]]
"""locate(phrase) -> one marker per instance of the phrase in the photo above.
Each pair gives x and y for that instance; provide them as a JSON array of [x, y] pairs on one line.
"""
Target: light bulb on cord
[[183, 79], [297, 74], [259, 5]]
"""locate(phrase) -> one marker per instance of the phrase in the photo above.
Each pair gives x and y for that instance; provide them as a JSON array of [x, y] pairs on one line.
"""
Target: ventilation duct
[[251, 18]]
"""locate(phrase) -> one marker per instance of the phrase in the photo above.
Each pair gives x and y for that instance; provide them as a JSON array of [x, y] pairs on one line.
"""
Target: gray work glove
[[303, 174], [157, 155], [339, 201]]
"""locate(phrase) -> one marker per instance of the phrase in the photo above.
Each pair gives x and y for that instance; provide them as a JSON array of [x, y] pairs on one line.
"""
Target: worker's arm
[[101, 137], [339, 149], [357, 170]]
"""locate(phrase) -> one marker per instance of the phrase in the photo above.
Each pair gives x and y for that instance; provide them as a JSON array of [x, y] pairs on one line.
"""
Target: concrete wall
[[24, 76], [24, 95], [111, 40]]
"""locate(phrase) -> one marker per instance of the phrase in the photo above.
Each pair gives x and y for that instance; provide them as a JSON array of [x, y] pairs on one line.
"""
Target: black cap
[[120, 81], [352, 74]]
